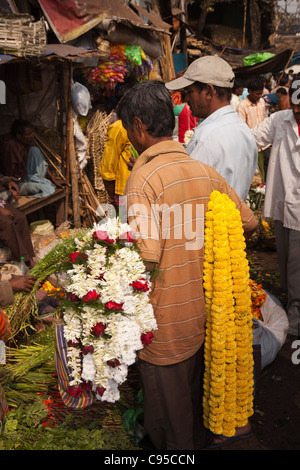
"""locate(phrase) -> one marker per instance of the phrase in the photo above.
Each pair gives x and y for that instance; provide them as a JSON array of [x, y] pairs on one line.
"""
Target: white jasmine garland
[[109, 315]]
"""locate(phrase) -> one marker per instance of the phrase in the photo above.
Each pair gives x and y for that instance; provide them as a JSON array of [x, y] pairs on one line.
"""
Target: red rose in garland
[[100, 391], [77, 257], [114, 306], [91, 296], [87, 350], [141, 285], [147, 338], [98, 329]]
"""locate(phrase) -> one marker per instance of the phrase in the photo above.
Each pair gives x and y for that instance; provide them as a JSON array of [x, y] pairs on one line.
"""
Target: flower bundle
[[258, 298], [228, 377], [106, 309]]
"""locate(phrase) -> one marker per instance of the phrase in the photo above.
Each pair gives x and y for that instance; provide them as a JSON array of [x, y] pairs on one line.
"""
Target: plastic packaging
[[271, 332], [81, 98], [23, 267]]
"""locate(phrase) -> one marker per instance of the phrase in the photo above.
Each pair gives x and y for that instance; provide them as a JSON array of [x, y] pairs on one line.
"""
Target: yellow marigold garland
[[228, 376]]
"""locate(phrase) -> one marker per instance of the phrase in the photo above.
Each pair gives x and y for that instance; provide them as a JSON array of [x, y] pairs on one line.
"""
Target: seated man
[[14, 230], [24, 161]]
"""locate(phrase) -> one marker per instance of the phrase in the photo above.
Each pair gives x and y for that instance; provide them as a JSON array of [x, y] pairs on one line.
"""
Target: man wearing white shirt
[[282, 199], [222, 140]]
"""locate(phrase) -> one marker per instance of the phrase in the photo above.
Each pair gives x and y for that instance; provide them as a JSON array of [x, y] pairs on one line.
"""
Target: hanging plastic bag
[[257, 58], [80, 98], [270, 333]]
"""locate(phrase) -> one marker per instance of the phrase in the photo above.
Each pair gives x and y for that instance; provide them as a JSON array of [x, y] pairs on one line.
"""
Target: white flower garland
[[104, 327]]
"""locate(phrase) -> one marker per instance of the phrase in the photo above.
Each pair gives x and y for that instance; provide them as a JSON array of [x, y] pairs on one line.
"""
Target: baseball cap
[[208, 69]]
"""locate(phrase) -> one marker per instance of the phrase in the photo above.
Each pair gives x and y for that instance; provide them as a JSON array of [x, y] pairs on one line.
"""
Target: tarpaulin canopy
[[70, 19], [275, 64]]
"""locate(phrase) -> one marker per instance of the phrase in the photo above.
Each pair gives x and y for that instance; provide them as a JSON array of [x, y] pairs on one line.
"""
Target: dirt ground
[[276, 419]]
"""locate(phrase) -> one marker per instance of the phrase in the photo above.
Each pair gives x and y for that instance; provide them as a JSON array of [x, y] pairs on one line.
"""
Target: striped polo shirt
[[167, 195]]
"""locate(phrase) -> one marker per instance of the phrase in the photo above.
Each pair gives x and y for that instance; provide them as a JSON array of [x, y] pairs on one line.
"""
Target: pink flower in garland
[[91, 296], [103, 236], [98, 329], [147, 338], [114, 306], [128, 236]]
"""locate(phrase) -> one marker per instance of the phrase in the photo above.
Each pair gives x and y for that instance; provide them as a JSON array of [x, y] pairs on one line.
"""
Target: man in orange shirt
[[167, 196], [253, 108]]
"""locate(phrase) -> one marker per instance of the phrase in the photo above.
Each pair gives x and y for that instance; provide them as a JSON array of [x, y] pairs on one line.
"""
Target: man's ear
[[139, 126], [209, 90]]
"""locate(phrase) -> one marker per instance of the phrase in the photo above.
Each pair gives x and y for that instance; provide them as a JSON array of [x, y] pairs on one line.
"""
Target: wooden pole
[[244, 25], [71, 150], [286, 65]]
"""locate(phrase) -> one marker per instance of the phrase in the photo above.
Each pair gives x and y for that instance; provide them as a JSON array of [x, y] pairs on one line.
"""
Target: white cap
[[208, 69]]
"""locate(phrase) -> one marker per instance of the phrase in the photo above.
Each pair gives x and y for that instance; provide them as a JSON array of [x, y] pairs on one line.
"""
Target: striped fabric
[[4, 326], [167, 197], [63, 371]]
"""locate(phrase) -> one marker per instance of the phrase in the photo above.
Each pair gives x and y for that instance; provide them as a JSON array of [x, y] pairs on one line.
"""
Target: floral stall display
[[123, 62], [103, 292], [228, 376]]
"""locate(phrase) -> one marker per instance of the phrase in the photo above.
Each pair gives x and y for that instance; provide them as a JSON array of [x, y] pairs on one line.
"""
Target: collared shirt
[[282, 199], [252, 113], [235, 101], [116, 153], [167, 196], [225, 142]]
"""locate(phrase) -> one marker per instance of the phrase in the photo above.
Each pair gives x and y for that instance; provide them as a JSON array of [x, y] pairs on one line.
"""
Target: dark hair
[[238, 83], [19, 126], [281, 91], [256, 83], [151, 102], [284, 80], [222, 92]]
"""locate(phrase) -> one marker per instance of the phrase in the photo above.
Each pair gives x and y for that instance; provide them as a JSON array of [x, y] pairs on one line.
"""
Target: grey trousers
[[288, 250], [173, 402]]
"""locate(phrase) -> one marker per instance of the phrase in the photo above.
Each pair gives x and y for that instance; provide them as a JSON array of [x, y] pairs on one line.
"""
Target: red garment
[[298, 122], [186, 121]]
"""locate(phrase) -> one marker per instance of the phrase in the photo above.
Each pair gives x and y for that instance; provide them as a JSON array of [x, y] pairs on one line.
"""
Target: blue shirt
[[225, 142]]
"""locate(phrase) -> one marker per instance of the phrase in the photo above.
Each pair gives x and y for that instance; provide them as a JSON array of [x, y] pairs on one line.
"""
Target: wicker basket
[[96, 133], [20, 35]]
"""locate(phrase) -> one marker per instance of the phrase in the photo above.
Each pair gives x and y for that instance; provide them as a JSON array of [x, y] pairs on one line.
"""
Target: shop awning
[[70, 19]]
